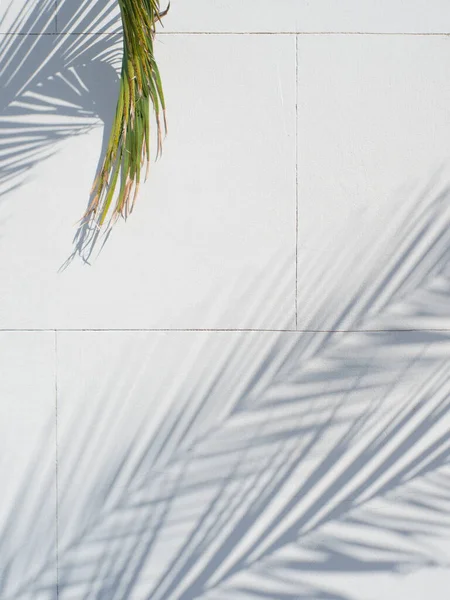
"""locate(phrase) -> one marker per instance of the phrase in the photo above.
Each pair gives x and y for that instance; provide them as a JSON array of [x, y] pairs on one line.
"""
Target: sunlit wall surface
[[243, 392]]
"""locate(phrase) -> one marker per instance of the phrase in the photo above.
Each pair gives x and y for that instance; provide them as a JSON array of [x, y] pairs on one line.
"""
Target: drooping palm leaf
[[128, 149]]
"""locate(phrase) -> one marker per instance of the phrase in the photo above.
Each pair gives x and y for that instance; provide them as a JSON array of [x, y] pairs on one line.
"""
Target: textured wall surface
[[246, 393]]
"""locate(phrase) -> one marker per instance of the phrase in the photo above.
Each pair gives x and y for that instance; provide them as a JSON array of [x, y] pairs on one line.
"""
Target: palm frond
[[58, 86], [129, 144]]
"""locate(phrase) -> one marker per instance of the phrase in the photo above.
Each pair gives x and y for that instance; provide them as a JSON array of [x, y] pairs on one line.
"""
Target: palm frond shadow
[[271, 462], [55, 86]]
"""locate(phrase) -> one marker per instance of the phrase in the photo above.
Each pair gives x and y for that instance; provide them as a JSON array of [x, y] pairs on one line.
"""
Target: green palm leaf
[[128, 149]]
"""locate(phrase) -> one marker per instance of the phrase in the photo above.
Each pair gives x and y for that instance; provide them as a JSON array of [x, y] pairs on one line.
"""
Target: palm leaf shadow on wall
[[278, 460], [55, 86]]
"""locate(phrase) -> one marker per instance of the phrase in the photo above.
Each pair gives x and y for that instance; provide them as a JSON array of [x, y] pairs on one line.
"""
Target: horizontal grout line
[[23, 34], [299, 33], [231, 330]]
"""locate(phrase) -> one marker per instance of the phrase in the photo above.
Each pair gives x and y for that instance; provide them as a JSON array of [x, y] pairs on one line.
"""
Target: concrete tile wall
[[265, 16], [246, 394], [27, 465], [28, 16]]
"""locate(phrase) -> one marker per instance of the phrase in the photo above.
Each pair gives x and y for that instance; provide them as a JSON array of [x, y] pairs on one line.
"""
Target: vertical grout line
[[56, 466], [56, 16], [296, 182]]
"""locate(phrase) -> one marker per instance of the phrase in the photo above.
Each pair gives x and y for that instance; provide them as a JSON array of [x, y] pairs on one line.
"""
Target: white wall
[[246, 394]]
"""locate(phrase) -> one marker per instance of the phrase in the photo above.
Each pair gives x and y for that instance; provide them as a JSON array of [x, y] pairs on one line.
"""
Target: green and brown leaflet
[[128, 152]]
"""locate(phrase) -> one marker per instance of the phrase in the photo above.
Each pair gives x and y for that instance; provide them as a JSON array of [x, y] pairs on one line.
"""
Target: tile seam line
[[296, 181], [409, 33], [252, 33], [56, 466], [228, 330]]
